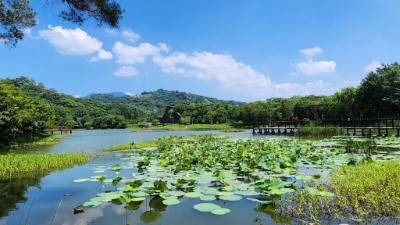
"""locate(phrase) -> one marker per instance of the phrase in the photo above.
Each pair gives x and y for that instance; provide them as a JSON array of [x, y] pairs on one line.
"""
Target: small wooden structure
[[60, 129]]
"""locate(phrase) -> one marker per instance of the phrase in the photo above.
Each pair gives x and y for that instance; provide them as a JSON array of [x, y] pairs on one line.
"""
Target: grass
[[135, 145], [367, 192], [35, 142], [319, 132], [25, 165], [232, 130]]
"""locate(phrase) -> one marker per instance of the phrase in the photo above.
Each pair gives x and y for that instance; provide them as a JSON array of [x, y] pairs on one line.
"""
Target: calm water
[[50, 200]]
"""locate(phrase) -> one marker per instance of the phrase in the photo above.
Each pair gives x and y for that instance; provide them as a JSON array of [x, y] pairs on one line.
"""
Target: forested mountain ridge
[[154, 102], [112, 110]]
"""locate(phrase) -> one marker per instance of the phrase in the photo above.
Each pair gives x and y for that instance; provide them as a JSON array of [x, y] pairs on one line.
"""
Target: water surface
[[50, 200]]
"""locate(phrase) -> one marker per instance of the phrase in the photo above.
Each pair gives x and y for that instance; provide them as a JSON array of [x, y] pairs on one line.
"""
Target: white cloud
[[130, 35], [126, 71], [313, 68], [233, 77], [126, 54], [129, 93], [102, 55], [372, 66], [221, 68], [310, 52], [71, 41]]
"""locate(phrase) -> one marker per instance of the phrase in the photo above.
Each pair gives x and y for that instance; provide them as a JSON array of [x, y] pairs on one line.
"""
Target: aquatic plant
[[366, 192], [24, 165], [319, 132], [212, 168]]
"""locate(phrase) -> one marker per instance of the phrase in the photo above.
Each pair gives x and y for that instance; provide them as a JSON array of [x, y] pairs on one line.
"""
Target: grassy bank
[[366, 192], [35, 142], [27, 165]]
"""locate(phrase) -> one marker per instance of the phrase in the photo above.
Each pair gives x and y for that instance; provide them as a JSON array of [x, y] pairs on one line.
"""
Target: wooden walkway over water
[[60, 129], [362, 127]]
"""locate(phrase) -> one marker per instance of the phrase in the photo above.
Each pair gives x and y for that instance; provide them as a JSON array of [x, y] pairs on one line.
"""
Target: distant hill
[[154, 102]]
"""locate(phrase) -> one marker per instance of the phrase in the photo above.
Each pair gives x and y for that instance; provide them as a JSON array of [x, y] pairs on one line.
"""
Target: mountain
[[95, 109], [154, 102]]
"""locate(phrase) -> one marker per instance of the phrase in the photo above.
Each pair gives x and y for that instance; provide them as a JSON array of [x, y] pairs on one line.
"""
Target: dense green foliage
[[21, 115], [15, 16]]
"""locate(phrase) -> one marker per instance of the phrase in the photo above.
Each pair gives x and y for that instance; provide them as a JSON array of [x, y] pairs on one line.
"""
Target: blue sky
[[233, 50]]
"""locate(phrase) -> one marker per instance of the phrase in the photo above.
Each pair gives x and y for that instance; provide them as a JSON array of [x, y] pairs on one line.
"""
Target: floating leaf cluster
[[218, 170]]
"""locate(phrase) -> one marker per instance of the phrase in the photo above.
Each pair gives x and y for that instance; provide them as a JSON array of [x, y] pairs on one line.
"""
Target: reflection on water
[[51, 200]]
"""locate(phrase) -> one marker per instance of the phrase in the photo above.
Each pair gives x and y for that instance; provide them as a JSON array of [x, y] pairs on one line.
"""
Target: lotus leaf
[[206, 207], [171, 201], [193, 195], [221, 211], [230, 197]]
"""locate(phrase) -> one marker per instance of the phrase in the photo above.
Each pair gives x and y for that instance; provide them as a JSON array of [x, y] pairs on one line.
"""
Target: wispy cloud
[[310, 52], [130, 35], [372, 66], [126, 71], [102, 55]]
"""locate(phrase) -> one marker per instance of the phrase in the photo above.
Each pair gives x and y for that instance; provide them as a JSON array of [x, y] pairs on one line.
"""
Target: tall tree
[[379, 92], [17, 15]]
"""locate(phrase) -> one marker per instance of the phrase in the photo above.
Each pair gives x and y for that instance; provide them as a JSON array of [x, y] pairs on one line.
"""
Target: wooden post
[[398, 132], [379, 128]]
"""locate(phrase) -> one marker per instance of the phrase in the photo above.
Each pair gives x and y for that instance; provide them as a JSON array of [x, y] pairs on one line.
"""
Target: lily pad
[[221, 211], [206, 207], [207, 198], [171, 201], [230, 197], [224, 193], [194, 195]]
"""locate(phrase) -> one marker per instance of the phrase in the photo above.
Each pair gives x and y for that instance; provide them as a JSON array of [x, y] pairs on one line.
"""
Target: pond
[[51, 199]]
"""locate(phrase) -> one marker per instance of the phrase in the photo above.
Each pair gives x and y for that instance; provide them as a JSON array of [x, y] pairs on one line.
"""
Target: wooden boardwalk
[[367, 131], [274, 130], [363, 131], [61, 129]]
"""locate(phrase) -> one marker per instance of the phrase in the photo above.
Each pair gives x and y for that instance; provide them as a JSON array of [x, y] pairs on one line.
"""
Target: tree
[[16, 16], [340, 105], [379, 92]]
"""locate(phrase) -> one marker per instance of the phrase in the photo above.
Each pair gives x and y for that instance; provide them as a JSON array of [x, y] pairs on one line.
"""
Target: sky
[[232, 50]]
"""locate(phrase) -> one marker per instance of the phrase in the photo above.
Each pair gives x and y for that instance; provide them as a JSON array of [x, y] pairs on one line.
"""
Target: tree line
[[377, 96], [28, 108]]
